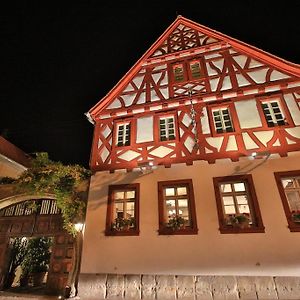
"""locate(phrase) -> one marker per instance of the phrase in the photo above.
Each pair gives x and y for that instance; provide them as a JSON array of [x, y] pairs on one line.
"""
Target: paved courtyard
[[18, 296]]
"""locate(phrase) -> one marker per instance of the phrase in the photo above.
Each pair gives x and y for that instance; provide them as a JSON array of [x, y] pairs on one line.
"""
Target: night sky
[[58, 61]]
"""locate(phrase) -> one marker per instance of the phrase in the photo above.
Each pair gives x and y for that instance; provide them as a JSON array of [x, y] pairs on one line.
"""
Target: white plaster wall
[[293, 108], [248, 114], [9, 168], [273, 253], [144, 130]]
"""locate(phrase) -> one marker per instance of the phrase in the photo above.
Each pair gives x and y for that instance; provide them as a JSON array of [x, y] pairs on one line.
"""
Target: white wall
[[9, 168], [273, 253]]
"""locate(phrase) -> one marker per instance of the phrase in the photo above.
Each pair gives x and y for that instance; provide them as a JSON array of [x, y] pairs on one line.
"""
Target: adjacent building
[[196, 185]]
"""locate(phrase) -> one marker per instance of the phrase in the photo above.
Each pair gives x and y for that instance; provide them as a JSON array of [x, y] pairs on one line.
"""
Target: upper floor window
[[222, 119], [122, 210], [176, 207], [187, 70], [289, 188], [123, 134], [273, 113], [237, 204], [167, 128]]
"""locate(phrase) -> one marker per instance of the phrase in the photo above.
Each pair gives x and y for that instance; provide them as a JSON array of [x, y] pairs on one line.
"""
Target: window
[[123, 134], [178, 73], [167, 128], [289, 189], [195, 69], [273, 113], [176, 207], [238, 209], [187, 70], [122, 210], [222, 120]]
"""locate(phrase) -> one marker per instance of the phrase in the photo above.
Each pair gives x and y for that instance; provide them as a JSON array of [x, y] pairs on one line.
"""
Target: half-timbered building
[[196, 185]]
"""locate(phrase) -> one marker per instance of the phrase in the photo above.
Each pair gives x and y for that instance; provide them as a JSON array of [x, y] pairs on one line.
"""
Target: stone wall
[[169, 287]]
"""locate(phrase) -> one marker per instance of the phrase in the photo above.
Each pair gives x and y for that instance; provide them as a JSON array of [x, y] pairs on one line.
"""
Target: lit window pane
[[170, 203], [119, 210], [170, 191], [181, 191], [119, 195], [229, 209], [130, 194], [293, 200], [242, 199], [287, 183], [244, 209], [182, 203], [239, 187], [228, 200], [226, 188], [130, 205]]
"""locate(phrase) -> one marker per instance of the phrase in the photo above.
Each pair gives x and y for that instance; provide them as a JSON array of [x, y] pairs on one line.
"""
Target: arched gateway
[[36, 216]]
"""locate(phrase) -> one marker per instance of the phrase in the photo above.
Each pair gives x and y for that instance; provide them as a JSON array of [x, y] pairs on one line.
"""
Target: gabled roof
[[172, 40]]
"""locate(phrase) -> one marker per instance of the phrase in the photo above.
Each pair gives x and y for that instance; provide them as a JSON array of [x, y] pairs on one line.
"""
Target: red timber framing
[[191, 63]]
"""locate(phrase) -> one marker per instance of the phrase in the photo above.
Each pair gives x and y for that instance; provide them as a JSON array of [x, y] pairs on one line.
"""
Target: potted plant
[[296, 216], [122, 224], [176, 222], [36, 260], [238, 220], [17, 253]]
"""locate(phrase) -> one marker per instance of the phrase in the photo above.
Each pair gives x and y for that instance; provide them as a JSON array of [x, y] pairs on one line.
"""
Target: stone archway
[[17, 220]]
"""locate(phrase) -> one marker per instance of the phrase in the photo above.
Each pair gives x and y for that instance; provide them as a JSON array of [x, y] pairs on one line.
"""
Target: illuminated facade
[[196, 179]]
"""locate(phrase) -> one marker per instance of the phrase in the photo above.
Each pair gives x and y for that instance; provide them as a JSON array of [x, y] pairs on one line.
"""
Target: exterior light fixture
[[253, 154], [146, 167], [78, 227]]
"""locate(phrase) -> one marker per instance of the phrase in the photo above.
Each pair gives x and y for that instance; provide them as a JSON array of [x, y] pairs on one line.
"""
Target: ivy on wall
[[68, 184]]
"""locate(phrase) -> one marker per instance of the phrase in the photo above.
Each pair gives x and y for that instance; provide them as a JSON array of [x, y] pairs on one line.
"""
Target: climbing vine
[[68, 183]]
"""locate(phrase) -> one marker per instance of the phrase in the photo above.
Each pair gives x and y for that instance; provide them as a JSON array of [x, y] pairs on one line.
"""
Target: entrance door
[[20, 220]]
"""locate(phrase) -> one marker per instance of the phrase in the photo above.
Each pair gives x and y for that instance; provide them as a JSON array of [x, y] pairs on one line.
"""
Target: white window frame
[[124, 136], [168, 135], [269, 111], [221, 114]]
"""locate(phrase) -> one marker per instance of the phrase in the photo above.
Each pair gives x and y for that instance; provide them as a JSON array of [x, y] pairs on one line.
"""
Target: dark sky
[[58, 61]]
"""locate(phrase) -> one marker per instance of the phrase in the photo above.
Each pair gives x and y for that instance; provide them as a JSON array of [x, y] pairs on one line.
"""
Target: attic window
[[167, 128], [222, 120], [178, 72], [195, 69], [273, 113], [123, 134]]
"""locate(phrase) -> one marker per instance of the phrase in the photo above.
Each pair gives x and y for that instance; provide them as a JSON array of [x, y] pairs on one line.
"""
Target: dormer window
[[167, 128], [123, 134]]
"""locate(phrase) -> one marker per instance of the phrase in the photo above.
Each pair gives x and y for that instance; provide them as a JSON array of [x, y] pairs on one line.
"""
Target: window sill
[[185, 231], [294, 226], [131, 232], [234, 230]]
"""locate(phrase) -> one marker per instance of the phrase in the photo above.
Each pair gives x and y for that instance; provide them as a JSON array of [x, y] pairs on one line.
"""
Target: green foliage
[[123, 223], [46, 176], [37, 256], [176, 222], [7, 180]]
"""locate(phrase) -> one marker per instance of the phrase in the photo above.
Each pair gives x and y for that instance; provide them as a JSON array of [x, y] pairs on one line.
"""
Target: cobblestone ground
[[17, 296]]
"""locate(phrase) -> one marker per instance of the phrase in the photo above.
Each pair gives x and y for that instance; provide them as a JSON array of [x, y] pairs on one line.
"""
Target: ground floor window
[[122, 210], [289, 188], [176, 207], [237, 204]]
